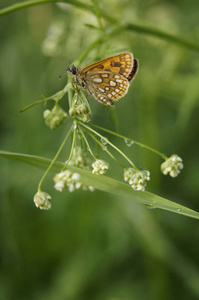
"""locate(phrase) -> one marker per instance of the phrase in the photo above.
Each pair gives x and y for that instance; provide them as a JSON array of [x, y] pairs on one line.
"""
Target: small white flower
[[75, 177], [42, 200], [59, 186], [69, 180], [172, 165], [88, 188], [100, 167], [55, 117], [79, 159], [71, 187], [78, 185], [137, 179], [128, 173]]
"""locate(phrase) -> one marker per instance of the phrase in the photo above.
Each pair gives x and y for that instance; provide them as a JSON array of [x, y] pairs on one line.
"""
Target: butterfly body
[[107, 80]]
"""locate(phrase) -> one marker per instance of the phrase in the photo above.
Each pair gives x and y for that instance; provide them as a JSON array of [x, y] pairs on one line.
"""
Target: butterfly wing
[[106, 86], [121, 64], [134, 70]]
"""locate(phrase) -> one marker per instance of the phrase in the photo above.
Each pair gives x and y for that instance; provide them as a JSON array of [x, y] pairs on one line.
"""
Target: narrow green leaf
[[106, 184]]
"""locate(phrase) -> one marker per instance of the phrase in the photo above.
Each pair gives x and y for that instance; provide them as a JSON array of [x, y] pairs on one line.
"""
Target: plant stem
[[55, 97], [135, 142], [112, 145], [87, 143], [107, 151], [54, 159], [74, 127], [25, 4]]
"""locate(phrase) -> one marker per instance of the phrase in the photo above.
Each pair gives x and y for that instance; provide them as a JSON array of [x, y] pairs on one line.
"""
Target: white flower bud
[[42, 200], [172, 165], [55, 117], [137, 179], [100, 167]]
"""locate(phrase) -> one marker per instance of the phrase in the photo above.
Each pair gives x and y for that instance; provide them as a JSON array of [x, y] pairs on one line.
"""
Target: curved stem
[[112, 145], [55, 97], [88, 49], [128, 26], [54, 159], [162, 35], [107, 151], [87, 143], [135, 142], [73, 144], [25, 4]]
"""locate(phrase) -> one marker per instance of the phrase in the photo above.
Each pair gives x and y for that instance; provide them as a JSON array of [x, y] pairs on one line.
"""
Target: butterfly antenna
[[60, 77]]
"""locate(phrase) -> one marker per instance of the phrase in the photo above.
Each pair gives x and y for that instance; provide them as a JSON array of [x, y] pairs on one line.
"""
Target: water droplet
[[74, 126], [178, 209], [104, 141], [150, 206], [128, 142]]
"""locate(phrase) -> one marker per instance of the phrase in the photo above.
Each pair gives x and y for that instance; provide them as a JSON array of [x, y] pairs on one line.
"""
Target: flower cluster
[[100, 167], [79, 109], [42, 200], [172, 166], [137, 179], [55, 117], [80, 159], [69, 180]]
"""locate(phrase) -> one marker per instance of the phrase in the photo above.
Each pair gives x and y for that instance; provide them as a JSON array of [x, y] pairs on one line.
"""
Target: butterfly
[[107, 80]]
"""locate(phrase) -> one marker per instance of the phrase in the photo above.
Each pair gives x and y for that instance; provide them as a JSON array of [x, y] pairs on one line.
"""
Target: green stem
[[74, 127], [89, 49], [25, 4], [162, 35], [55, 97], [107, 151], [98, 13], [112, 145], [129, 26], [54, 159], [70, 93], [87, 144], [135, 142]]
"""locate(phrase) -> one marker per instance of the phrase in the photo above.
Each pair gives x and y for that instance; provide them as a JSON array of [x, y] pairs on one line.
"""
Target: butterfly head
[[72, 70]]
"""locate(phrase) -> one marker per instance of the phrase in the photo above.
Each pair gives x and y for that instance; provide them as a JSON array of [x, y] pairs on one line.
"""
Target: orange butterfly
[[107, 80]]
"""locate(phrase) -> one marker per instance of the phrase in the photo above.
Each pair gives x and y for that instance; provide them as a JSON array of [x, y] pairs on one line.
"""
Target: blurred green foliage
[[93, 246]]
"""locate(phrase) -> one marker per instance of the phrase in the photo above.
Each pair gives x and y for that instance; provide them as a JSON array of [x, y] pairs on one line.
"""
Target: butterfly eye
[[72, 69]]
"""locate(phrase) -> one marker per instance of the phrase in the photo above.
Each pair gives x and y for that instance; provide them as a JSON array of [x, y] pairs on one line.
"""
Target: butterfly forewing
[[122, 64]]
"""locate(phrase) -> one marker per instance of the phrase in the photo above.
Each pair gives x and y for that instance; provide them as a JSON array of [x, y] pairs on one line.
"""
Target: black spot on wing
[[115, 63], [99, 67]]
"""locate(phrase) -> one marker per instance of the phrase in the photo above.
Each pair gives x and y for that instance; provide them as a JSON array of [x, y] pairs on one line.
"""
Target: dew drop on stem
[[104, 141], [128, 142]]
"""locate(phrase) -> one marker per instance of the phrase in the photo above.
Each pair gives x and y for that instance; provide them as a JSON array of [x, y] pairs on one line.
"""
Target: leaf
[[106, 184]]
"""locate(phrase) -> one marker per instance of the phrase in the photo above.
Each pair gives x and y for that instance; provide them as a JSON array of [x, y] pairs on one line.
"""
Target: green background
[[94, 245]]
